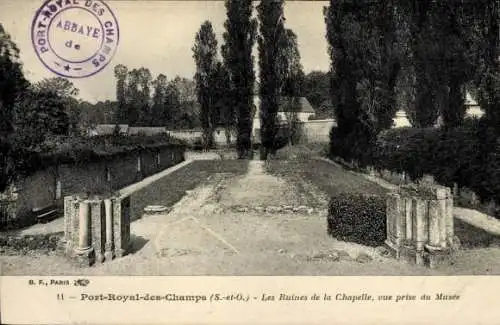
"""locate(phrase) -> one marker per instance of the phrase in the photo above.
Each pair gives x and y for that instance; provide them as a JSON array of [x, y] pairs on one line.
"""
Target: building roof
[[289, 104], [146, 130], [469, 101], [103, 129], [295, 104], [400, 119]]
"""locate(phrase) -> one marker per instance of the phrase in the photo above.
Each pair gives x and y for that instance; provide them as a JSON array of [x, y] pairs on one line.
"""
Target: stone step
[[154, 209]]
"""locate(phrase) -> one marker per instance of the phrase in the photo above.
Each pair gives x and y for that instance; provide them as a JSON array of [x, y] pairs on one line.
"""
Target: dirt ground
[[204, 235]]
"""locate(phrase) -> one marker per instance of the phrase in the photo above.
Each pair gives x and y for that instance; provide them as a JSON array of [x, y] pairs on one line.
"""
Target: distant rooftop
[[290, 104]]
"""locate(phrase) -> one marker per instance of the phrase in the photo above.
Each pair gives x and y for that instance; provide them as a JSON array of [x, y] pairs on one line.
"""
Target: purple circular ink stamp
[[75, 38]]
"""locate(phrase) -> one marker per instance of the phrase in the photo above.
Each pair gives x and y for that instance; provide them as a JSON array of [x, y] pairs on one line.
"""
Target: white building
[[400, 120], [472, 107]]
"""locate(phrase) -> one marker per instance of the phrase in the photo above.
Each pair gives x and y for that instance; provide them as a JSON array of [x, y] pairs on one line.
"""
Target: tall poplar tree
[[160, 115], [239, 39], [271, 31], [121, 114], [205, 56], [133, 98]]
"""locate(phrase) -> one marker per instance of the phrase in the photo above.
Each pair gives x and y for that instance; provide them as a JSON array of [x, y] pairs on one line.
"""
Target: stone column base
[[393, 249], [84, 258], [120, 252], [62, 247], [109, 254], [435, 256], [100, 257], [408, 254]]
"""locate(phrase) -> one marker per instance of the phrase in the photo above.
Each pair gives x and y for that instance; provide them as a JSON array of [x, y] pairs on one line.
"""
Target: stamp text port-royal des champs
[[75, 38]]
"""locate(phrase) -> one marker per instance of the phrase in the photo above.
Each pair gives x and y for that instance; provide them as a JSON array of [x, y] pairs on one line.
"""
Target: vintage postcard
[[239, 161]]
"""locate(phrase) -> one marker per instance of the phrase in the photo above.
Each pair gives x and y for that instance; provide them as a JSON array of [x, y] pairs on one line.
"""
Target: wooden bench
[[45, 213]]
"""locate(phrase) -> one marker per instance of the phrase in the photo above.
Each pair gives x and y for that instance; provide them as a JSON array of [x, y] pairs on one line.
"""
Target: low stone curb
[[305, 210], [334, 256], [156, 209]]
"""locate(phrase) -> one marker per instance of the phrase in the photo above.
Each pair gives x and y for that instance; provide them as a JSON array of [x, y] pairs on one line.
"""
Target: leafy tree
[[455, 25], [39, 114], [405, 87], [121, 73], [13, 85], [224, 112], [12, 81], [67, 92], [159, 113], [186, 88], [291, 76], [205, 56], [173, 106], [188, 112], [347, 31], [102, 112], [316, 89], [145, 79], [425, 47], [289, 65], [62, 87], [271, 31], [386, 61], [133, 98], [239, 39], [486, 46]]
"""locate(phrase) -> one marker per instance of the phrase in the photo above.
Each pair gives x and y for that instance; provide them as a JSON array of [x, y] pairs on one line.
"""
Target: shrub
[[466, 155], [23, 244], [296, 130], [197, 144], [358, 218], [406, 150], [282, 136]]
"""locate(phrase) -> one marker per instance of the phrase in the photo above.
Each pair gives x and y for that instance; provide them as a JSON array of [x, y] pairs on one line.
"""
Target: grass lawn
[[171, 188], [327, 177]]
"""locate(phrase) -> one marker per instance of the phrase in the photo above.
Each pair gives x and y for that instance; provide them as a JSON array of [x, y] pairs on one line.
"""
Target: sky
[[159, 35]]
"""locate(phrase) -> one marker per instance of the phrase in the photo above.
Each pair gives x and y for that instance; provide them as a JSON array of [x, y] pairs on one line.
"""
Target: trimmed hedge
[[462, 155], [358, 218]]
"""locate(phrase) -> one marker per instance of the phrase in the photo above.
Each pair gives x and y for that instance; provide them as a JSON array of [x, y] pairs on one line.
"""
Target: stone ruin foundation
[[96, 229], [420, 224]]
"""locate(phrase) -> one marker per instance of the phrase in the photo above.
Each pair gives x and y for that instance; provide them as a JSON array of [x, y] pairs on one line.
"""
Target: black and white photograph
[[249, 138]]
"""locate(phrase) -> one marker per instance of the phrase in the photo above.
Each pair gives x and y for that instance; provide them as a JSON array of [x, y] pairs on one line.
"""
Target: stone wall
[[49, 186], [192, 135], [35, 191], [188, 135], [317, 130]]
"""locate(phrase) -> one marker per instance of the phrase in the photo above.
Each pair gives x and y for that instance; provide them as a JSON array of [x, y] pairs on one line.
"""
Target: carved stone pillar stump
[[84, 252], [65, 245], [420, 224], [109, 253], [96, 229], [121, 225]]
